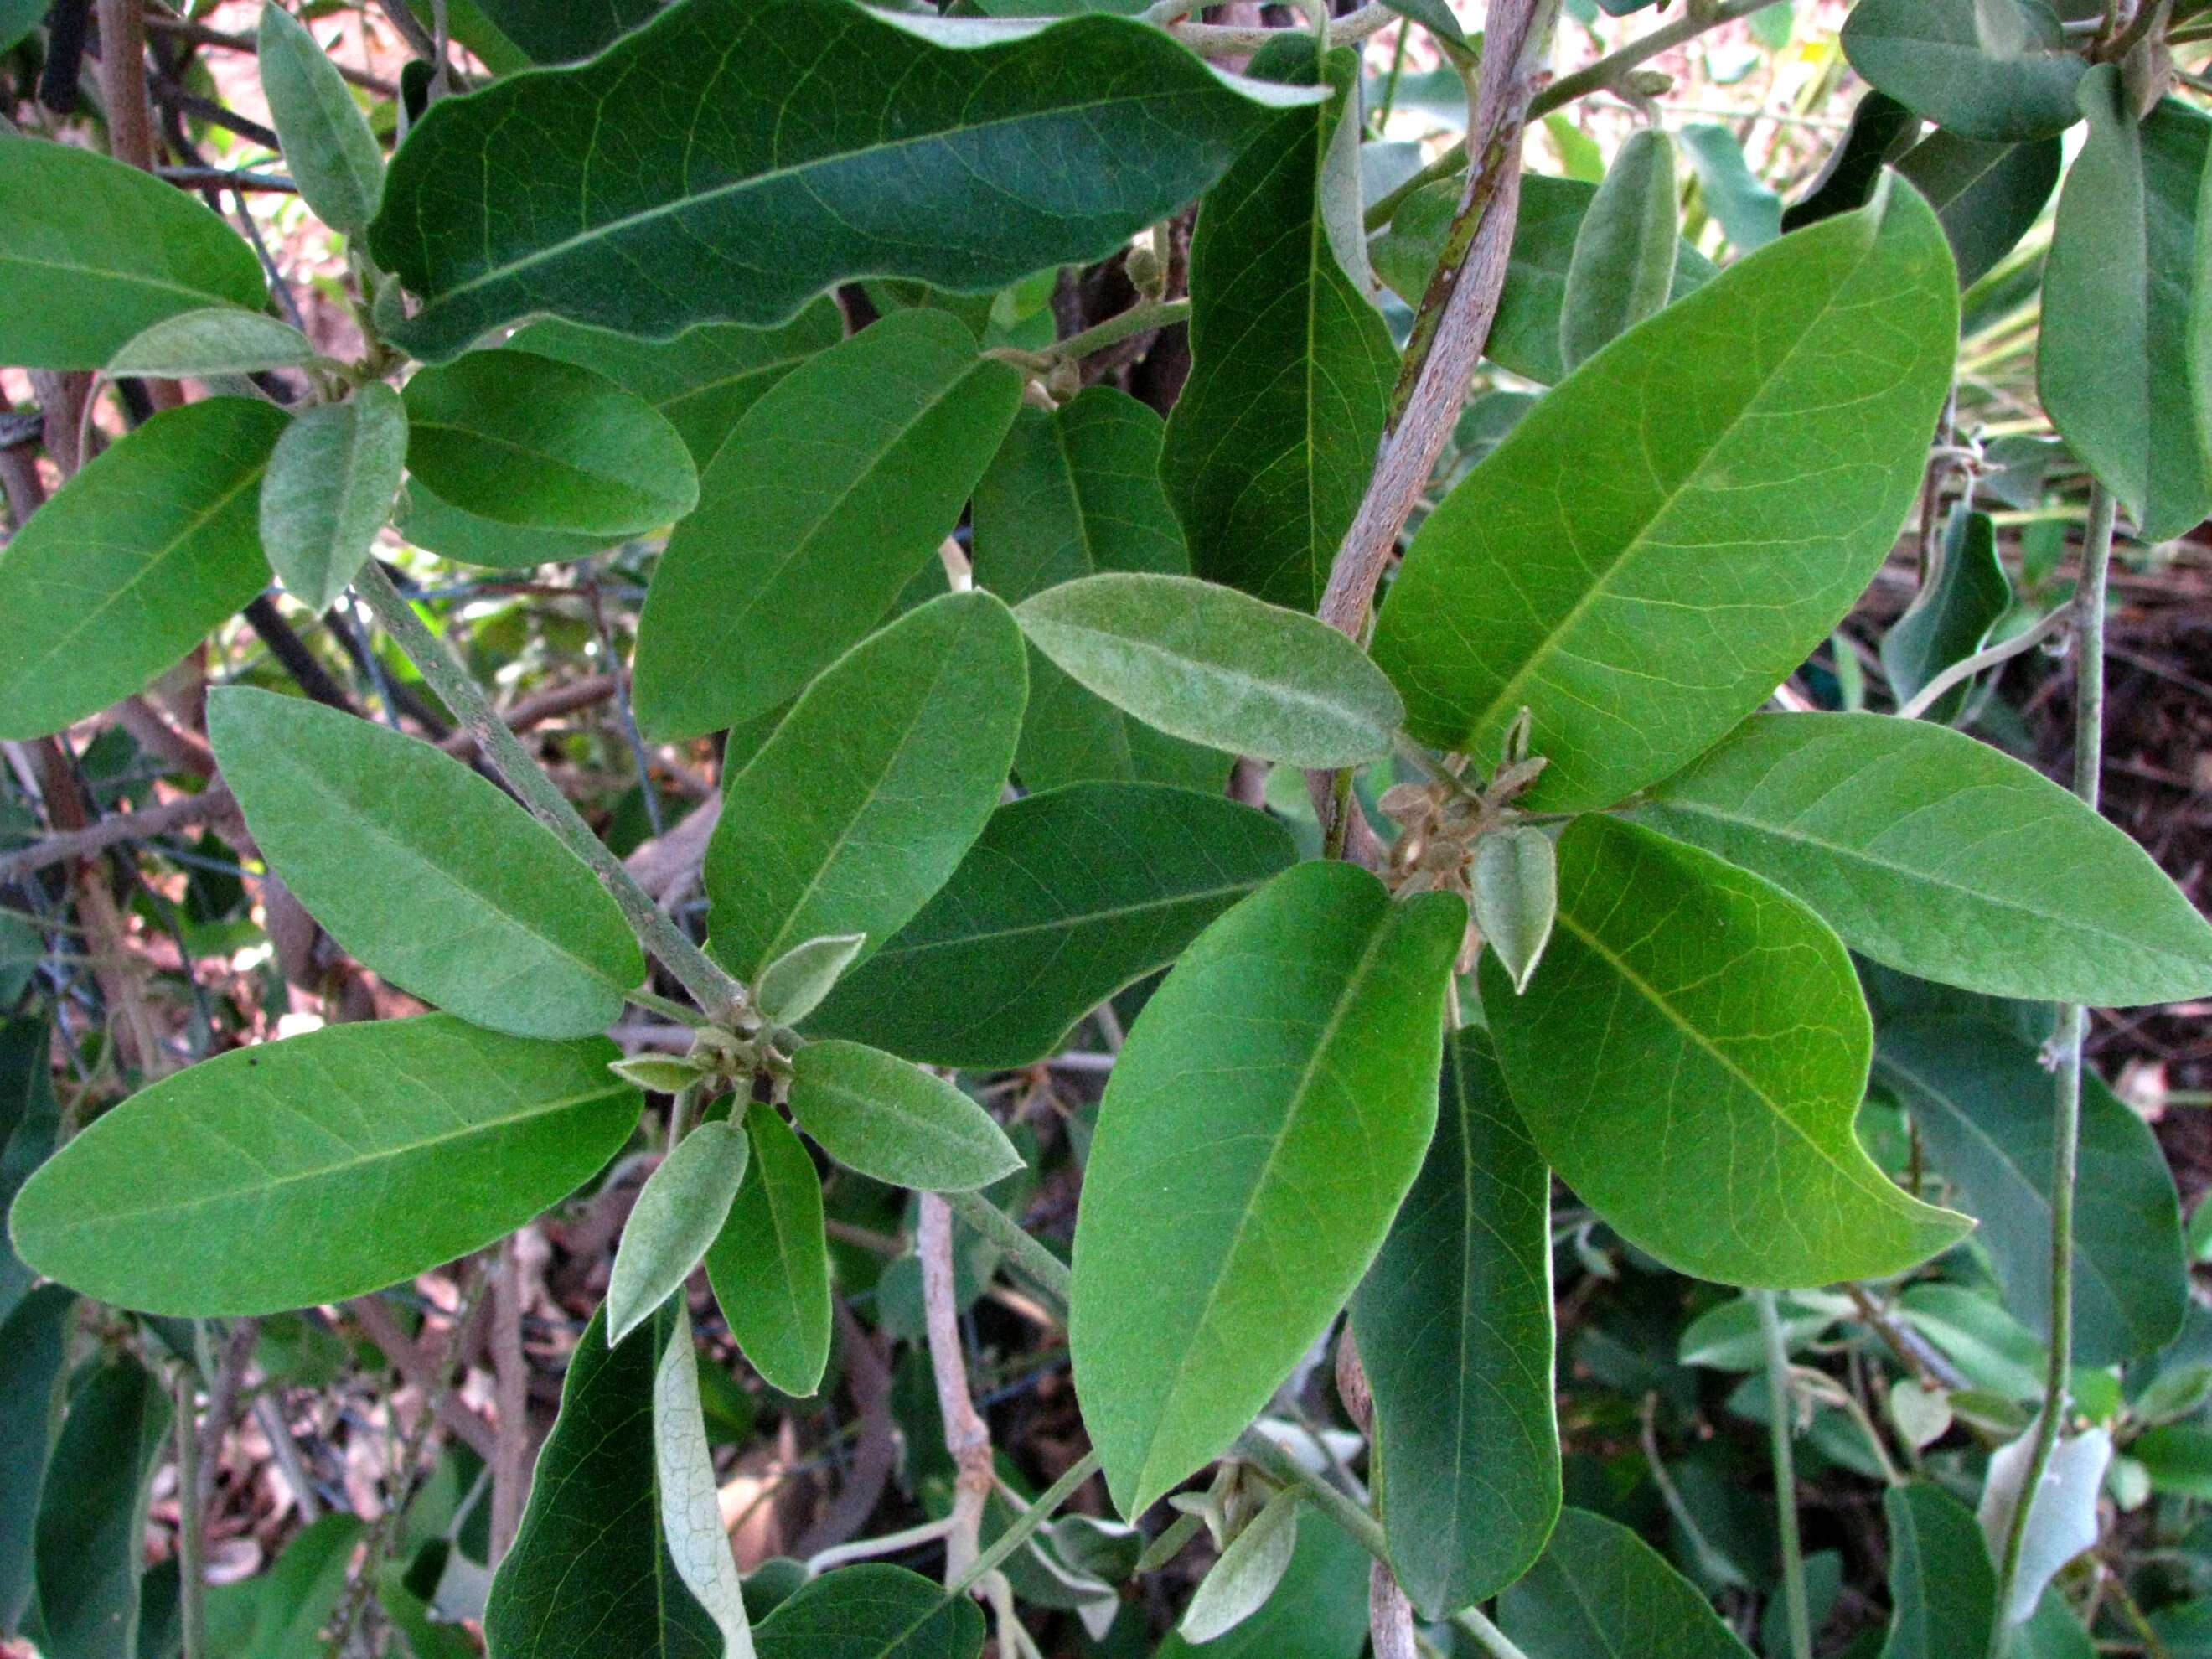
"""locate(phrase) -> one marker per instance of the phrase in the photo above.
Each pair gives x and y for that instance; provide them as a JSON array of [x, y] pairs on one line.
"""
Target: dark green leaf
[[535, 442], [1941, 1589], [18, 18], [563, 30], [2178, 1459], [1760, 445], [679, 1213], [92, 1512], [1453, 1323], [873, 788], [1319, 1611], [329, 490], [322, 1167], [441, 528], [1880, 129], [214, 340], [328, 148], [875, 1113], [1270, 445], [1750, 214], [92, 252], [1690, 1058], [1067, 140], [1988, 196], [1940, 856], [1065, 899], [135, 559], [872, 1611], [33, 1346], [1995, 70], [1966, 596], [1623, 266], [770, 1267], [1434, 15], [1600, 1592], [30, 1124], [1273, 1102], [426, 871], [826, 499], [276, 1616], [1073, 493]]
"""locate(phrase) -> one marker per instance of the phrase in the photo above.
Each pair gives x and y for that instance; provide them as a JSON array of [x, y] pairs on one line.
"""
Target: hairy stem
[[1785, 1475], [1035, 1262], [1026, 1523], [967, 1436]]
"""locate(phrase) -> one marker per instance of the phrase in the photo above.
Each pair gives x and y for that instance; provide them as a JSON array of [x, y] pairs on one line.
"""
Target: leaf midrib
[[1085, 919]]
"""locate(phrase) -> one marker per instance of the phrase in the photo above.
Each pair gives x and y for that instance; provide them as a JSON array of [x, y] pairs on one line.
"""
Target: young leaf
[[1269, 446], [213, 340], [895, 1123], [1983, 1101], [92, 252], [530, 441], [872, 1610], [1623, 267], [92, 1512], [1690, 1057], [327, 144], [2061, 1512], [1758, 445], [329, 491], [1454, 1322], [679, 1213], [826, 499], [33, 1347], [1319, 1610], [1246, 1575], [1942, 1588], [425, 871], [1939, 856], [1599, 1588], [770, 1265], [1073, 493], [691, 1508], [590, 1572], [321, 1167], [875, 784], [1067, 897], [1274, 1099], [1514, 895], [2119, 292], [793, 986], [1988, 196], [1993, 70], [1218, 666], [1750, 214], [135, 559], [1964, 598], [1069, 138]]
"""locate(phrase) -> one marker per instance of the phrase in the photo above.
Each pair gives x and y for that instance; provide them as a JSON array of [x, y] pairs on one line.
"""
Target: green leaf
[[1966, 596], [134, 559], [30, 1124], [92, 252], [33, 1347], [1065, 899], [329, 490], [18, 18], [428, 873], [2116, 367], [1988, 196], [213, 340], [1218, 666], [2178, 1458], [1690, 1057], [829, 495], [1749, 214], [92, 1512], [1940, 856], [690, 1505], [1880, 128], [1942, 1588], [1514, 895], [1732, 1338], [1599, 1591], [1247, 1572], [1995, 70], [1273, 1102], [704, 379], [322, 1167], [532, 441], [1983, 1102], [793, 986], [874, 785], [1073, 493], [1623, 266], [679, 1213], [1434, 15], [277, 1615], [440, 527], [1319, 1611], [561, 31], [1270, 445], [894, 1122], [770, 1265], [328, 146], [1454, 1324], [1068, 139], [1760, 445], [872, 1610], [590, 1573]]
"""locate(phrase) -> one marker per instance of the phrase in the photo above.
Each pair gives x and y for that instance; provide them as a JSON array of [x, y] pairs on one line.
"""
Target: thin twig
[[1967, 667], [967, 1436], [191, 1520], [1035, 1262], [419, 1370], [1781, 1411], [200, 35]]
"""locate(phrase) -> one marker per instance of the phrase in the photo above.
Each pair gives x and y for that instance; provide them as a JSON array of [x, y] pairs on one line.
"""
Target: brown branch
[[200, 35], [123, 82], [222, 1399], [421, 1370], [967, 1436]]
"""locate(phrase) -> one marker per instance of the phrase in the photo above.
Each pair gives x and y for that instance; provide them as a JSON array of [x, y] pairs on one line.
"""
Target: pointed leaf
[[872, 1611], [1880, 129], [1690, 1058], [1068, 139], [2062, 1515], [1750, 214], [426, 871], [1988, 195], [327, 144], [33, 1350], [1273, 1101], [92, 252], [1218, 666], [679, 1213], [770, 1265], [1319, 1610], [793, 986], [214, 340], [690, 1506], [862, 805], [1623, 267], [92, 1512], [1995, 70], [1761, 445], [1065, 899], [1454, 1322], [824, 501], [1943, 1590], [1914, 842], [1269, 449], [1515, 895], [1236, 1585], [322, 1167], [134, 559], [1951, 616], [893, 1122], [1599, 1590], [329, 490]]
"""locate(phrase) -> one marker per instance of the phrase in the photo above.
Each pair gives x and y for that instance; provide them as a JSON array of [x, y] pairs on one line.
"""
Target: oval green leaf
[[1995, 69], [322, 1167], [1272, 1103], [1988, 196], [770, 1265], [895, 1123], [329, 490], [213, 340], [438, 526], [872, 1610], [429, 873], [90, 1550], [1598, 1589], [793, 986], [327, 144], [1690, 1057], [1623, 266], [679, 1213]]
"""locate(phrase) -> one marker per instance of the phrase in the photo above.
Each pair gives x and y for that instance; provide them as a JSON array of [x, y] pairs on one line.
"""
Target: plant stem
[[1964, 669], [1137, 320], [1327, 1496], [1490, 1639], [1224, 41], [1037, 1264], [719, 995], [191, 1520], [2066, 1131], [1026, 1523], [967, 1436], [1785, 1475]]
